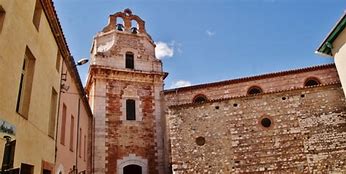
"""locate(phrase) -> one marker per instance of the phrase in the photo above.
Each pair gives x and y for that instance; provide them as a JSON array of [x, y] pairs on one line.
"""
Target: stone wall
[[307, 133], [109, 50]]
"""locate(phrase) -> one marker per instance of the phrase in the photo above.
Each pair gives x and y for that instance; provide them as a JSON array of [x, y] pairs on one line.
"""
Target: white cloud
[[163, 50], [180, 83], [210, 33]]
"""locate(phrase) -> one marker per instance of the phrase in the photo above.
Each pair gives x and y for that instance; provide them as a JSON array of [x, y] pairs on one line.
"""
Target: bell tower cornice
[[124, 46]]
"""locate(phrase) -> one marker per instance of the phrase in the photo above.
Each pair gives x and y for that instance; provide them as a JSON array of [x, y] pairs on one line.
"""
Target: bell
[[120, 27], [134, 30]]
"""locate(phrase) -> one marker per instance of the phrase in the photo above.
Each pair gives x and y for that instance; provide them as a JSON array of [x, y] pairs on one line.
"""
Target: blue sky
[[213, 40]]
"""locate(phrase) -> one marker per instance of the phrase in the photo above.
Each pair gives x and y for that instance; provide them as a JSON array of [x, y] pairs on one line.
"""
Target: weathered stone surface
[[307, 133]]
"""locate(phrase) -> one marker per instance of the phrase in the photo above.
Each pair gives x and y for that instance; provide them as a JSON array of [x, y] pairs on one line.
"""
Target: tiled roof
[[53, 20], [244, 79], [243, 96]]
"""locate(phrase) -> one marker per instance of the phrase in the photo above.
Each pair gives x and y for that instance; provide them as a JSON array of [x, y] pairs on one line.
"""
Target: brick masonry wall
[[130, 137], [120, 142], [307, 133], [325, 74]]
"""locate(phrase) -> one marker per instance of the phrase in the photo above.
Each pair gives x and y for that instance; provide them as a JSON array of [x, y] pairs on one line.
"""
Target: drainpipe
[[58, 114], [77, 146]]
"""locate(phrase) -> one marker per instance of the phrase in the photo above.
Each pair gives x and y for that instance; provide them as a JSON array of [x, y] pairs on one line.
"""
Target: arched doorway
[[132, 169]]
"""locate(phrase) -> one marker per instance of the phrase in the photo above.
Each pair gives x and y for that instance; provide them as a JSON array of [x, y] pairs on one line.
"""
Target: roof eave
[[326, 49], [323, 54]]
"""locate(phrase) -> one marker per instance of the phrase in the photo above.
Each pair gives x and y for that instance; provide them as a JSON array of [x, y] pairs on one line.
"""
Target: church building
[[284, 122]]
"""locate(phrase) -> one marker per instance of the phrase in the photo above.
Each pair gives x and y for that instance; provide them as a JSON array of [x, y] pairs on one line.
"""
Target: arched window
[[129, 60], [130, 109], [132, 169], [200, 98], [254, 90], [312, 81]]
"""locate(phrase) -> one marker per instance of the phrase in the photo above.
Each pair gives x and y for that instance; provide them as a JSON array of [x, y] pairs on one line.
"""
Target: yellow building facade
[[32, 52]]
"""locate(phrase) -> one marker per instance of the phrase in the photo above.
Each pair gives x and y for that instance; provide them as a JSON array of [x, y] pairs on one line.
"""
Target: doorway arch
[[132, 164], [132, 169]]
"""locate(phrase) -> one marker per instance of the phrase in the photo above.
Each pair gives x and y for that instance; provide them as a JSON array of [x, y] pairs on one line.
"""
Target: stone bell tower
[[124, 85]]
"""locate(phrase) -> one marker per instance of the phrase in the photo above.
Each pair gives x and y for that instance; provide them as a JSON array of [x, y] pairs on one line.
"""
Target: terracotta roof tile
[[250, 78], [245, 96]]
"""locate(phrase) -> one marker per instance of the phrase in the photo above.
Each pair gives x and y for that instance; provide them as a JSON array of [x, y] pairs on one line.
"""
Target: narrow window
[[58, 60], [84, 150], [2, 17], [63, 124], [25, 84], [53, 105], [200, 98], [312, 82], [254, 90], [130, 109], [80, 143], [37, 14], [130, 60], [9, 151], [71, 133]]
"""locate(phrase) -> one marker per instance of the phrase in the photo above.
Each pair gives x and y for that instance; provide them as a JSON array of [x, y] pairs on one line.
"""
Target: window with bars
[[254, 90], [312, 81]]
